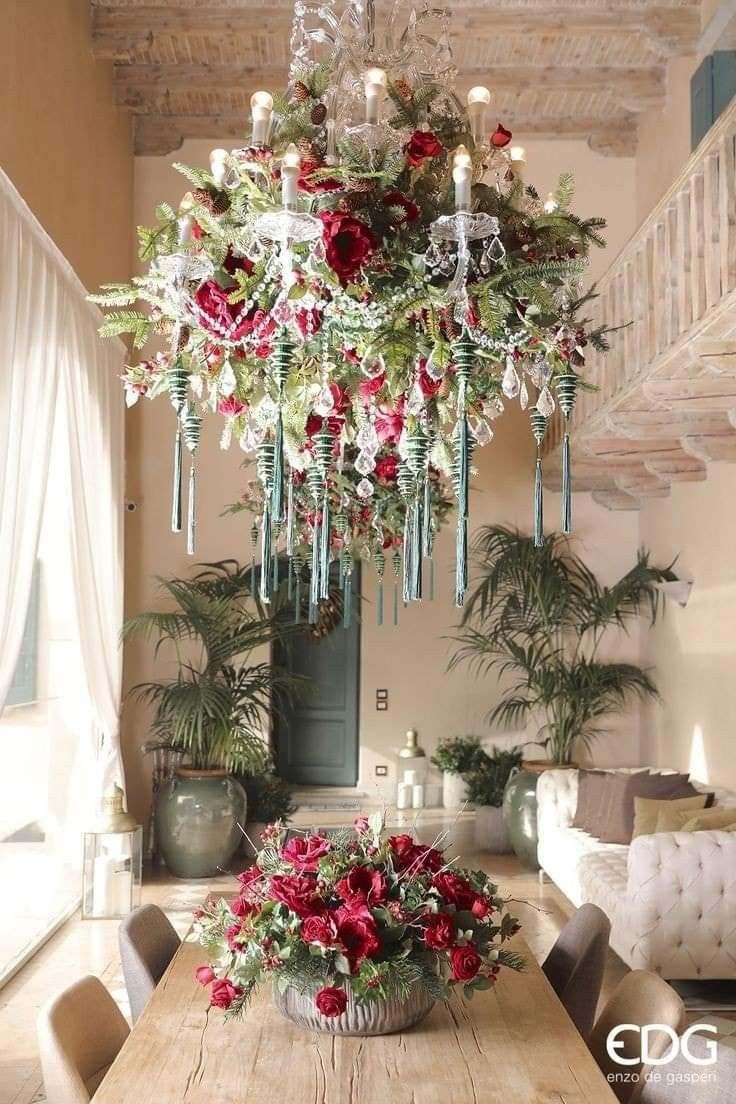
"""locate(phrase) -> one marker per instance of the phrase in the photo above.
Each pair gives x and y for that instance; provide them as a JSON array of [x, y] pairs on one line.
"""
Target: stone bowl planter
[[490, 830], [376, 1018]]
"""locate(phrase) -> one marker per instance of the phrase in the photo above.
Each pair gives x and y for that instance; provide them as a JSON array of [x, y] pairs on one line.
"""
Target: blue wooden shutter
[[24, 685]]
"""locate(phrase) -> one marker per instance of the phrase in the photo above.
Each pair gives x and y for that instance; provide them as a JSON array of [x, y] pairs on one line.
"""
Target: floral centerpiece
[[356, 921]]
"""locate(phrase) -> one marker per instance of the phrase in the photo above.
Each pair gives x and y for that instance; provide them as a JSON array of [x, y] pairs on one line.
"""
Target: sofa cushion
[[708, 820], [590, 787], [603, 875], [647, 810], [617, 819], [563, 853]]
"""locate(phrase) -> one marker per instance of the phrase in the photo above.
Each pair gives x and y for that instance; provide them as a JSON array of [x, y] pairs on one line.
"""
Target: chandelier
[[357, 294]]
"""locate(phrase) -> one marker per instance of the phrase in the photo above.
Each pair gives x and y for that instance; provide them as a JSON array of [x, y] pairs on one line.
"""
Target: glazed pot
[[490, 830], [198, 814], [454, 790], [374, 1018], [520, 807]]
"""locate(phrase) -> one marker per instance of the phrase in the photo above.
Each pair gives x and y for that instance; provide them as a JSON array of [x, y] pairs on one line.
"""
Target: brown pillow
[[648, 810], [617, 820], [589, 788], [598, 788]]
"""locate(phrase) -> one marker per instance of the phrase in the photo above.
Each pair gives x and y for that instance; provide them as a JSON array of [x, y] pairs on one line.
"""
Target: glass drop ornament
[[365, 488], [434, 367], [372, 366], [510, 381], [365, 463], [366, 438], [545, 402], [324, 404], [523, 395], [227, 381]]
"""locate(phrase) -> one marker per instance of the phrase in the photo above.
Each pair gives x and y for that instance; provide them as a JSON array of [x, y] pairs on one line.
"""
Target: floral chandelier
[[357, 294]]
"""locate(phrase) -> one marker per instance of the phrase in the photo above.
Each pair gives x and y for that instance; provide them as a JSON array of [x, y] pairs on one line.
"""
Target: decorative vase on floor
[[490, 830], [373, 1018], [454, 790], [252, 842], [520, 807], [198, 814]]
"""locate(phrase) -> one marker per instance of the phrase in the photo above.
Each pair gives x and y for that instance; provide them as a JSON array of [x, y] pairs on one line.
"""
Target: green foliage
[[489, 774], [128, 322], [115, 295], [214, 710], [457, 754], [537, 616], [269, 798]]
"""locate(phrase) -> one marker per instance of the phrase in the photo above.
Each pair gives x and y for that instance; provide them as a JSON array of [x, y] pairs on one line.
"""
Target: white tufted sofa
[[670, 897]]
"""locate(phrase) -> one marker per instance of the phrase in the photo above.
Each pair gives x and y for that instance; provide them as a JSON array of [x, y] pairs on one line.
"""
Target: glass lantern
[[113, 860]]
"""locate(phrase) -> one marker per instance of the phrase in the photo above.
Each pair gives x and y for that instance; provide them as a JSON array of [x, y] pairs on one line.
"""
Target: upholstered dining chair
[[148, 943], [79, 1033], [640, 998], [674, 1083], [574, 967]]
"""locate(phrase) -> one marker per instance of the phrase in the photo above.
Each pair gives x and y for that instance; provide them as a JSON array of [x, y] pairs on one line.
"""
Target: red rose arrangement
[[359, 914]]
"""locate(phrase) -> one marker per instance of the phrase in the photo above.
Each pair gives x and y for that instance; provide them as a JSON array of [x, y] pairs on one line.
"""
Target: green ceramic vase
[[197, 818], [520, 815]]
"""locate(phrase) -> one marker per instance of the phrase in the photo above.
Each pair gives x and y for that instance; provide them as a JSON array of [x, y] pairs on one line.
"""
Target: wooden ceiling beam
[[706, 392], [647, 423], [121, 32], [617, 500], [142, 87], [162, 134]]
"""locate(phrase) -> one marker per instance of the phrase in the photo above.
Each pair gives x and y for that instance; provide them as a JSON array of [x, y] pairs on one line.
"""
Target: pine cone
[[403, 88], [299, 92], [217, 203], [319, 114], [183, 338], [304, 145]]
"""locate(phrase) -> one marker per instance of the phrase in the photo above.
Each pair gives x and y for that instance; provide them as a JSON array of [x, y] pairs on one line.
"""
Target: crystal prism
[[523, 395], [434, 367], [496, 251], [324, 404], [545, 402], [365, 488], [365, 462], [510, 381], [227, 381], [366, 438]]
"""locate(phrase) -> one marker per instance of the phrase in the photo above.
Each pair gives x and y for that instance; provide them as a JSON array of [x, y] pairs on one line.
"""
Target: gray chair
[[674, 1083], [147, 945], [80, 1033], [640, 999], [574, 967]]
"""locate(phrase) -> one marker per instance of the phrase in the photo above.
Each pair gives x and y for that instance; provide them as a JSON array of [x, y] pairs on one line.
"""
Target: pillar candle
[[462, 172], [261, 106]]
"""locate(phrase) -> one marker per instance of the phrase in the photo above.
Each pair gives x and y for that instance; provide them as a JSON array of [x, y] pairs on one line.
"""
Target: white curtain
[[55, 366]]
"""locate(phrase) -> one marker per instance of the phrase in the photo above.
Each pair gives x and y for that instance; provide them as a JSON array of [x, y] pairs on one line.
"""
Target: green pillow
[[683, 820], [647, 811]]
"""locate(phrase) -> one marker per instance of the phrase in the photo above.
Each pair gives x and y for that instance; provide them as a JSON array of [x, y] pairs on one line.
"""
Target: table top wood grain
[[513, 1044]]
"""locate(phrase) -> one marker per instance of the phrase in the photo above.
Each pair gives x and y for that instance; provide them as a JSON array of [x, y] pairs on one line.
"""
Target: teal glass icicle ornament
[[379, 560], [280, 361], [539, 428], [253, 543], [323, 446], [417, 447], [396, 563], [347, 589], [265, 470], [178, 384], [405, 483], [316, 485], [191, 428], [567, 385], [463, 354]]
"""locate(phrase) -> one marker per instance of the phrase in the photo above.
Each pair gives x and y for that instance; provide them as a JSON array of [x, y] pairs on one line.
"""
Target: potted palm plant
[[213, 712], [486, 782], [538, 617]]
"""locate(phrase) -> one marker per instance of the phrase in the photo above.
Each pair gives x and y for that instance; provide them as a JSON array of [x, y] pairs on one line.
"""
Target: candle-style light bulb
[[462, 172], [550, 204], [290, 167], [375, 87], [185, 221], [479, 98], [261, 106], [218, 165], [517, 155]]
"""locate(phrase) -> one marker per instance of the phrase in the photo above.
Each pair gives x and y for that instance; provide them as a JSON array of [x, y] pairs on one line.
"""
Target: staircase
[[665, 403]]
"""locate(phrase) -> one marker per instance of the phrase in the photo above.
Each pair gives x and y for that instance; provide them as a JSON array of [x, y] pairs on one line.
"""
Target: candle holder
[[460, 229], [113, 862]]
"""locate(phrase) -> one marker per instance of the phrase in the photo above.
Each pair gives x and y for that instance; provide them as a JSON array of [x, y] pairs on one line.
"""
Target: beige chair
[[80, 1033], [148, 943], [713, 1084], [575, 965], [640, 998]]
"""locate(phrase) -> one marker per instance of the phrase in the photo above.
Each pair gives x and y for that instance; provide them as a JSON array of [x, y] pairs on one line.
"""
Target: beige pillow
[[682, 820], [647, 810]]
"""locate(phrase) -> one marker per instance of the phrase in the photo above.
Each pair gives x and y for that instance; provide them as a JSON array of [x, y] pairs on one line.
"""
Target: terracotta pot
[[374, 1018]]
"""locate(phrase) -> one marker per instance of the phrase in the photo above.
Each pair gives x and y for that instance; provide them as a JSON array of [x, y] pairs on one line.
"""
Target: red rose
[[401, 845], [428, 386], [230, 407], [231, 936], [422, 144], [233, 264], [304, 852], [348, 243], [223, 993], [367, 388], [240, 906], [319, 929], [500, 137], [465, 962], [455, 890], [390, 421], [363, 884], [439, 933], [423, 859], [481, 908], [250, 880], [356, 931], [387, 469], [215, 311], [331, 1001], [398, 199], [308, 321], [205, 975], [297, 893]]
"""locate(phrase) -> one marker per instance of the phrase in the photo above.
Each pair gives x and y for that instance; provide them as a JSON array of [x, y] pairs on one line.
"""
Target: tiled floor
[[91, 947]]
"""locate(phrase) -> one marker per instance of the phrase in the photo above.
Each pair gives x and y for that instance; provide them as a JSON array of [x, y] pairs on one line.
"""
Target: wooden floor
[[81, 948]]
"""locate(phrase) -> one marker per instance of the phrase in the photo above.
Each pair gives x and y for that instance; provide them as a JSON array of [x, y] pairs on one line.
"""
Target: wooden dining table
[[513, 1044]]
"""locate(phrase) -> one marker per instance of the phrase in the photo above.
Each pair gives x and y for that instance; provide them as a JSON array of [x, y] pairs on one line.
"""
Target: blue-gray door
[[316, 742]]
